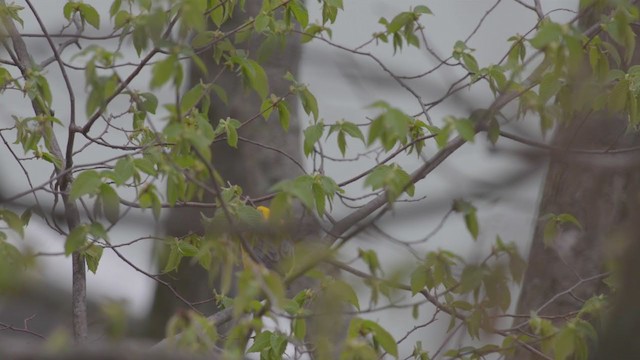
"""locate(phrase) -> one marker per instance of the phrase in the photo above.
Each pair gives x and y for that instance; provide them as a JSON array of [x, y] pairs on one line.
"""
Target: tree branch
[[25, 63]]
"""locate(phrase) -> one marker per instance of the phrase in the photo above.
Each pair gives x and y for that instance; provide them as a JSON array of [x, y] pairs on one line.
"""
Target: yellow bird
[[265, 211]]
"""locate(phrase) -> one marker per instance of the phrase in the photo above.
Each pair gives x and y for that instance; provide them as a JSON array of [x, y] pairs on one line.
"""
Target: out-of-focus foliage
[[579, 71]]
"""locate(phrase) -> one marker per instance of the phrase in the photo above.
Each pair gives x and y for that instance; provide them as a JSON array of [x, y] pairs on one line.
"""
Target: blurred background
[[502, 181]]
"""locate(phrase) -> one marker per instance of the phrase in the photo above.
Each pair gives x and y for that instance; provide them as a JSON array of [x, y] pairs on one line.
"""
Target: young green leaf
[[110, 203], [382, 337], [470, 217], [14, 222], [76, 238], [466, 129], [89, 14], [418, 280], [311, 136], [163, 71], [191, 98], [88, 182], [93, 254], [283, 115], [309, 103]]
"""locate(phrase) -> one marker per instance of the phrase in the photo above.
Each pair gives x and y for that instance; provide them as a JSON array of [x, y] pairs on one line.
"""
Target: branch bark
[[25, 63]]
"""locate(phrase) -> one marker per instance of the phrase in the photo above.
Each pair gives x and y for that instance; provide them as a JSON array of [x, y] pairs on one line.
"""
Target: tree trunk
[[601, 191], [255, 169], [595, 189]]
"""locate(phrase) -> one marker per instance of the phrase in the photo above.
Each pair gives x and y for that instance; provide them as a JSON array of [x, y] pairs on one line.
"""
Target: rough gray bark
[[97, 351], [255, 169], [618, 340], [595, 189]]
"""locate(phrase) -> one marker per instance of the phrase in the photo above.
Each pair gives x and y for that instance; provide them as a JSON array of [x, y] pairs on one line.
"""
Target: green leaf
[[463, 305], [299, 188], [470, 62], [309, 103], [145, 165], [262, 341], [284, 115], [370, 257], [150, 102], [93, 254], [421, 9], [163, 71], [173, 260], [471, 278], [187, 249], [400, 21], [383, 337], [299, 328], [48, 157], [343, 128], [311, 136], [617, 98], [203, 39], [89, 14], [250, 216], [466, 129], [121, 19], [418, 280], [253, 74], [5, 76], [98, 231], [329, 186], [547, 33], [261, 22], [12, 263], [44, 89], [549, 86], [278, 344], [87, 182], [110, 203], [222, 94], [493, 134], [25, 217], [123, 170], [392, 178], [300, 13], [191, 98], [232, 135], [275, 287], [266, 108], [568, 218], [140, 38], [115, 7], [471, 220], [352, 129], [346, 292], [176, 187], [390, 127], [342, 142], [14, 222], [470, 217], [260, 82], [415, 311], [319, 198], [148, 198], [68, 9], [564, 343], [76, 239]]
